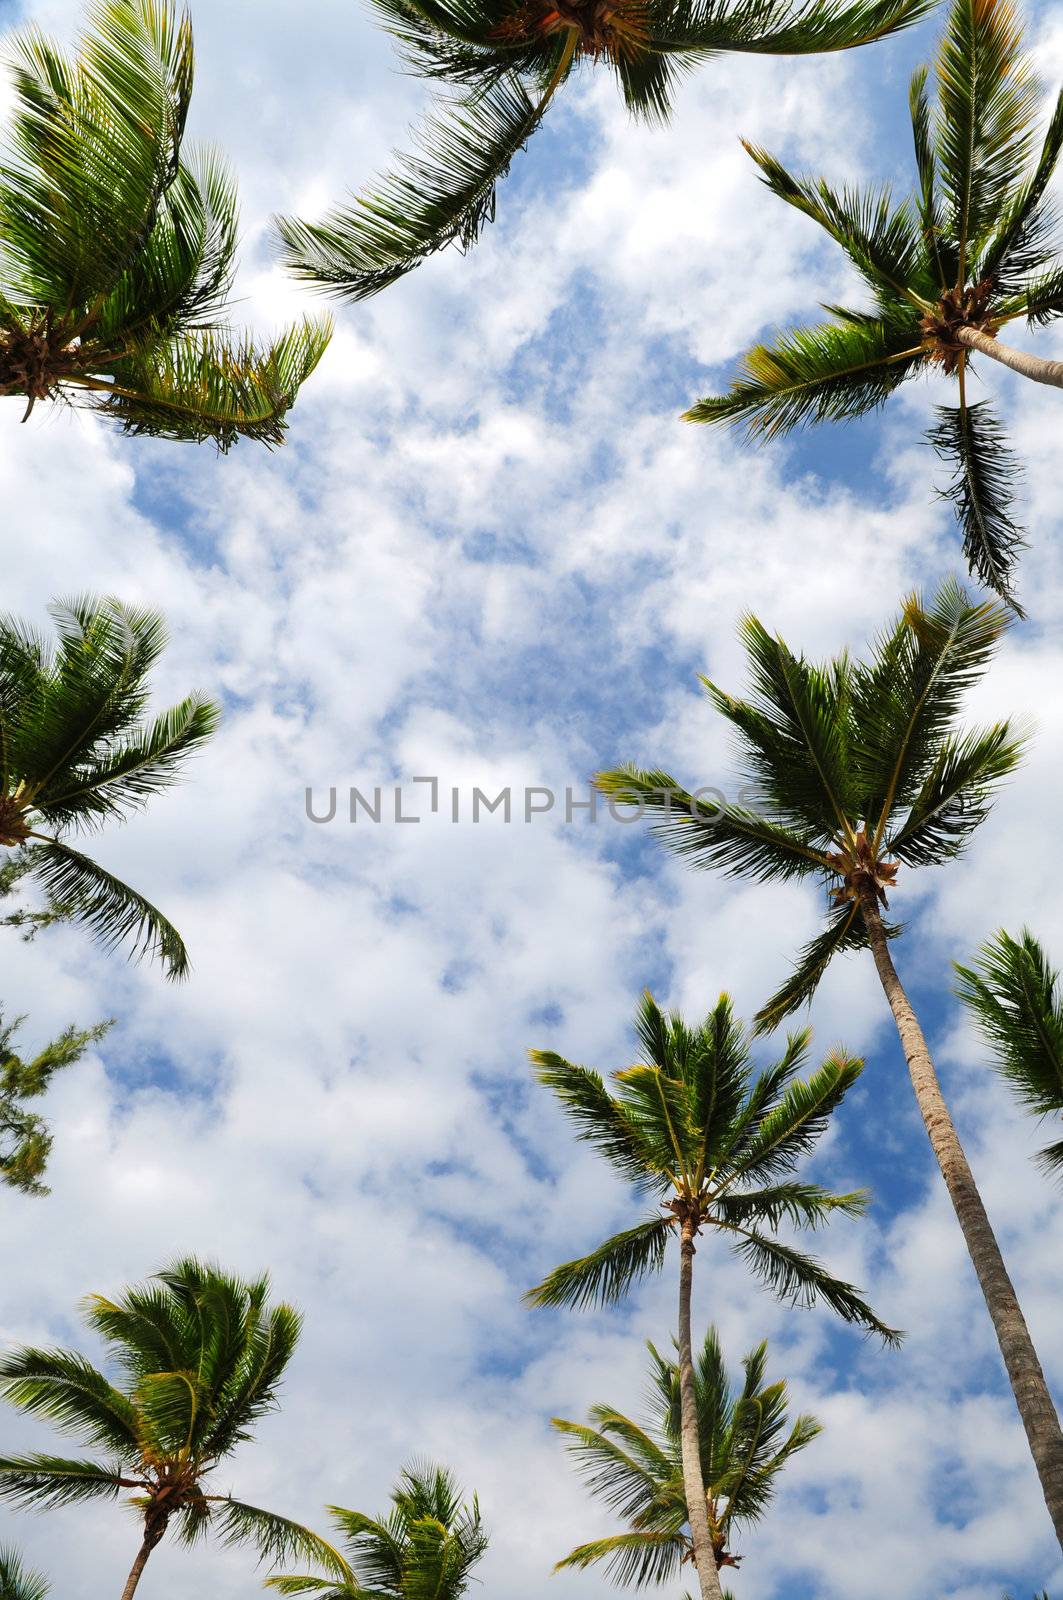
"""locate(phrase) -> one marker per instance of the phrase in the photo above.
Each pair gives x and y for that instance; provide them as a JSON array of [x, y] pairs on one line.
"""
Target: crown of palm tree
[[75, 754], [637, 1468], [16, 1582], [1016, 998], [118, 250], [201, 1356], [973, 248], [692, 1123], [25, 1139], [426, 1546], [857, 769], [505, 60]]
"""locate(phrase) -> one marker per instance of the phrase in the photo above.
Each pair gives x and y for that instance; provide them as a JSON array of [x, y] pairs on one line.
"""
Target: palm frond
[[957, 795], [68, 1390], [831, 372], [985, 475], [444, 194], [734, 839], [207, 385], [115, 913], [988, 104], [44, 1483], [16, 1581], [844, 931], [800, 1279], [605, 1275], [1014, 995], [600, 1120]]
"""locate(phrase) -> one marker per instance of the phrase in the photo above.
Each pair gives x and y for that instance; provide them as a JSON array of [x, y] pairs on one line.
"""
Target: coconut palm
[[1016, 999], [716, 1148], [426, 1546], [16, 1583], [505, 60], [118, 247], [201, 1356], [636, 1468], [75, 754], [858, 770], [25, 1139], [971, 250]]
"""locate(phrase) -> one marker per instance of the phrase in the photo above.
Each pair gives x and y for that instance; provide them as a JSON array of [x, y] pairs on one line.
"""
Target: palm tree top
[[636, 1468], [504, 61], [119, 246], [76, 754], [1015, 997], [716, 1145], [857, 768], [200, 1356], [16, 1581], [427, 1544], [971, 249]]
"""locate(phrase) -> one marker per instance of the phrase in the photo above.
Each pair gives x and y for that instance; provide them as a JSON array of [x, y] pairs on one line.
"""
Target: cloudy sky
[[491, 553]]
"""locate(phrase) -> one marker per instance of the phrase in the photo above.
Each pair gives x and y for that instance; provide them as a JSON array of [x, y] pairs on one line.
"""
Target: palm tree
[[690, 1122], [970, 251], [75, 754], [25, 1140], [118, 249], [858, 769], [637, 1468], [1015, 997], [505, 60], [15, 1582], [426, 1546], [201, 1356]]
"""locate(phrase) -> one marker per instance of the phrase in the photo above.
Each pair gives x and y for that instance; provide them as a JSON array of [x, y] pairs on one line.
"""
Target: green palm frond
[[46, 1483], [1014, 995], [957, 795], [844, 931], [66, 1389], [805, 1205], [988, 103], [112, 911], [735, 839], [600, 1119], [442, 195], [204, 385], [606, 1275], [16, 1581], [801, 1280], [985, 474], [831, 372]]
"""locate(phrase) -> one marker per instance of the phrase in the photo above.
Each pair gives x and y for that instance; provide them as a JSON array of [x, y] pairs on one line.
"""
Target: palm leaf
[[985, 475], [606, 1275], [800, 1279], [443, 195], [1014, 996], [114, 912]]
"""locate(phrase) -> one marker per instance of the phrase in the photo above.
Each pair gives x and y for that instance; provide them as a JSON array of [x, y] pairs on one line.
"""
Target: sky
[[491, 553]]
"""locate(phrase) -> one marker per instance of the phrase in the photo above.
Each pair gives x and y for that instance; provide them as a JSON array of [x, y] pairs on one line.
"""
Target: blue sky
[[491, 551]]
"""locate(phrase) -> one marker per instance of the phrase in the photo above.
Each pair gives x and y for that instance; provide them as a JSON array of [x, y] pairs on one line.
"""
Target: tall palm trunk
[[1039, 368], [693, 1482], [1028, 1384], [153, 1532]]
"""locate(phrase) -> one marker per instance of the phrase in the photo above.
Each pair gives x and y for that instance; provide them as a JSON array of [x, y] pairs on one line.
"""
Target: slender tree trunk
[[1028, 1384], [153, 1532], [1039, 368], [693, 1482]]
